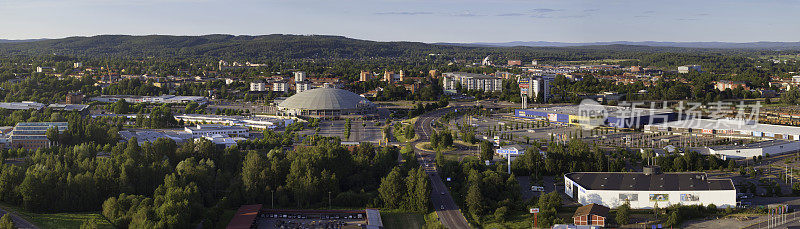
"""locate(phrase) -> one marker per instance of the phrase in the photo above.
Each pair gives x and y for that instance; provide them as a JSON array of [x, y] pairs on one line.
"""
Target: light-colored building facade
[[32, 135], [727, 84], [301, 87], [212, 129], [299, 76], [280, 87], [763, 149], [534, 86], [471, 81], [150, 99], [258, 86], [643, 190], [689, 68]]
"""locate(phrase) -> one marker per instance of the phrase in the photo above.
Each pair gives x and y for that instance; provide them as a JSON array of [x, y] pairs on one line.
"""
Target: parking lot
[[521, 130], [360, 130], [311, 220]]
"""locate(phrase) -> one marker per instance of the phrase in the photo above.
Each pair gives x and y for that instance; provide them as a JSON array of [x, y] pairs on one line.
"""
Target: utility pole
[[273, 198], [329, 200]]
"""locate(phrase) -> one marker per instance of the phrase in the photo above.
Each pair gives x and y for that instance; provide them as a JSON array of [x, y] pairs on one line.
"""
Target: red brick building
[[591, 215]]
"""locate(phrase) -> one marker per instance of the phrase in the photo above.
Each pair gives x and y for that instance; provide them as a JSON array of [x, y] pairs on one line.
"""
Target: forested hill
[[318, 47], [217, 46]]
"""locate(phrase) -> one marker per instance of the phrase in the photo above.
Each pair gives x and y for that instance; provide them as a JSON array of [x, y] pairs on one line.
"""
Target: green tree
[[254, 175], [475, 201], [487, 150], [501, 214], [52, 134], [391, 189], [121, 107], [623, 213], [89, 224], [6, 222], [674, 219]]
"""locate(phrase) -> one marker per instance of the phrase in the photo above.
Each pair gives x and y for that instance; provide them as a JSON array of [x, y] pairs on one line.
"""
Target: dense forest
[[318, 47]]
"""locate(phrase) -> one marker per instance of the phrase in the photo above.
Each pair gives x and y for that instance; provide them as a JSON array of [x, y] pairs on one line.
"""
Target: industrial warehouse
[[727, 127], [599, 115], [779, 139], [647, 189], [327, 102]]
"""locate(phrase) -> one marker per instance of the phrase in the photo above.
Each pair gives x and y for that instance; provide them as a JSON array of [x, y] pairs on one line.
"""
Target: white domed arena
[[327, 102]]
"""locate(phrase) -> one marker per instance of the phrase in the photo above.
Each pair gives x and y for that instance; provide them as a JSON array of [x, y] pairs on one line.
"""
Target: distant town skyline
[[431, 21]]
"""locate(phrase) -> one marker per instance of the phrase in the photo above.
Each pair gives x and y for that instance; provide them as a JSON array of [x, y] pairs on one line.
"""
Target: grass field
[[402, 220], [603, 61], [427, 147], [59, 220]]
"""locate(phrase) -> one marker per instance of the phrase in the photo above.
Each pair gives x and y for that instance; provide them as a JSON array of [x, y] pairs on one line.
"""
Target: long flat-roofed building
[[256, 122], [644, 189], [599, 115], [763, 148], [25, 105], [150, 99], [727, 127], [32, 135], [212, 129]]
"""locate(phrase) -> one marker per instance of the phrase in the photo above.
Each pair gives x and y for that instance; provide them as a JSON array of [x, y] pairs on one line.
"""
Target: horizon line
[[436, 42]]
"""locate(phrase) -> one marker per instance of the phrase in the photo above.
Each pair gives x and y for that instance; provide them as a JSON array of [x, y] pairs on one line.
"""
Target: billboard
[[689, 197], [552, 117], [628, 197], [659, 197], [512, 151]]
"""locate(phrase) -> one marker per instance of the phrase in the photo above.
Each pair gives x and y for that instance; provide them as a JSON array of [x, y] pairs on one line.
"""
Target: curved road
[[442, 201], [19, 222]]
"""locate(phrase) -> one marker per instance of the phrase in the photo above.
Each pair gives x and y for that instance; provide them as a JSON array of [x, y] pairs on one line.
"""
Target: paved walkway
[[18, 221]]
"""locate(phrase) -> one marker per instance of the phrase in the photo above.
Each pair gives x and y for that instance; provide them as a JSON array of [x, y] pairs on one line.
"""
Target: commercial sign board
[[659, 197], [629, 197], [552, 117], [510, 151], [689, 197]]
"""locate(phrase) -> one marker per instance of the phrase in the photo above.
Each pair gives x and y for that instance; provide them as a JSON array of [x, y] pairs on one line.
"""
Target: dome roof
[[325, 99]]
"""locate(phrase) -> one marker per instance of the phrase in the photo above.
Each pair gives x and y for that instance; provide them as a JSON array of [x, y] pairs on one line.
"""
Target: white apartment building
[[301, 87], [280, 87], [258, 86], [533, 86], [299, 76], [689, 68], [471, 81]]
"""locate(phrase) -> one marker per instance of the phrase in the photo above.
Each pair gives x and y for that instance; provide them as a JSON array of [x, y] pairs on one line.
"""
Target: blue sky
[[413, 20]]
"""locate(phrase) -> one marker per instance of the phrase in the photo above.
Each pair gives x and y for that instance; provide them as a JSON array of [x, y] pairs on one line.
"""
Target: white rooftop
[[728, 124]]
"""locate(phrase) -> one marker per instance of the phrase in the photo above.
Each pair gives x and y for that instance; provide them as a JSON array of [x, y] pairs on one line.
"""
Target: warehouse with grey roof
[[645, 190]]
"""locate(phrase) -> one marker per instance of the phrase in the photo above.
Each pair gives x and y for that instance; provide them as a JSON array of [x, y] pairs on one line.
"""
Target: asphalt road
[[18, 222], [447, 209]]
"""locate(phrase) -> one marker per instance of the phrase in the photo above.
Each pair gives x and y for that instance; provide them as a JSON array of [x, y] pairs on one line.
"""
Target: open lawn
[[427, 147], [402, 220], [59, 220], [603, 61]]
